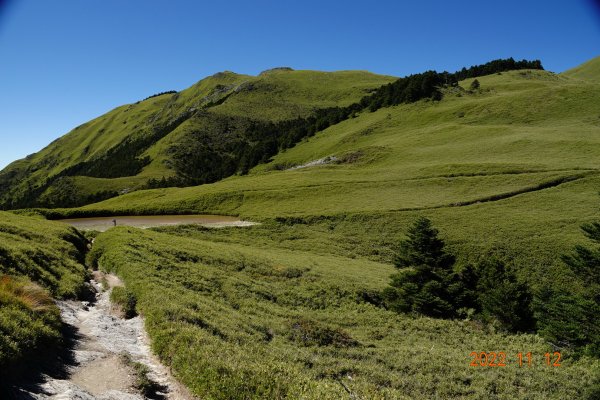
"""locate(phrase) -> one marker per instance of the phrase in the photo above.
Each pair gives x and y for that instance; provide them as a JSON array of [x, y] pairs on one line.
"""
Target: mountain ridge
[[224, 124], [145, 119]]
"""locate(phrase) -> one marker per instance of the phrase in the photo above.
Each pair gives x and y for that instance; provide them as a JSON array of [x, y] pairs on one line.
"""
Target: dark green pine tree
[[571, 318], [425, 274], [423, 246], [584, 261], [503, 297]]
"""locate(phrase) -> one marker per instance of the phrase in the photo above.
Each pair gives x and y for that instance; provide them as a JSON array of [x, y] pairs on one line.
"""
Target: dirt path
[[101, 224], [104, 353]]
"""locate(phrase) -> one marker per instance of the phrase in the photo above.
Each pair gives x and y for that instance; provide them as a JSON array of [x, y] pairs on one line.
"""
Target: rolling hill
[[523, 134], [512, 165], [134, 144]]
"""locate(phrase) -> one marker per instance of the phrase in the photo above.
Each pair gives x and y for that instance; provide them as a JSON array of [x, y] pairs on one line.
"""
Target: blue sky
[[64, 62]]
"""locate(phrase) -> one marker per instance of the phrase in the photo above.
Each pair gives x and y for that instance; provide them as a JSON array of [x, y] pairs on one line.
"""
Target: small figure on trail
[[114, 221]]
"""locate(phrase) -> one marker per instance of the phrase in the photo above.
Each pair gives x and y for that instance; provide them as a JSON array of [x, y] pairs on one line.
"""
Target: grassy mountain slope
[[39, 260], [589, 70], [125, 147], [510, 168], [524, 129]]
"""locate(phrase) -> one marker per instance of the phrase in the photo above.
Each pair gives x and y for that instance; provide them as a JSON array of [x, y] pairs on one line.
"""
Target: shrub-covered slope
[[251, 322], [39, 260]]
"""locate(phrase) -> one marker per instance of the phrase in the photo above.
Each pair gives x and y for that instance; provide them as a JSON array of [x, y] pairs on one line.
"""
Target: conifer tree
[[503, 297], [425, 274], [571, 318]]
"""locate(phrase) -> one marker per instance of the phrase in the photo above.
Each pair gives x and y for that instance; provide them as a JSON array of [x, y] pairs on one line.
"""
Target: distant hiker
[[114, 222]]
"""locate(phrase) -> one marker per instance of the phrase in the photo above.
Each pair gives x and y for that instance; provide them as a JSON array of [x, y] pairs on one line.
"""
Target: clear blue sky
[[64, 62]]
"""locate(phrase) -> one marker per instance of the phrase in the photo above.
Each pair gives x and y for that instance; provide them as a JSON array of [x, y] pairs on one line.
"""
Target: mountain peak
[[276, 69]]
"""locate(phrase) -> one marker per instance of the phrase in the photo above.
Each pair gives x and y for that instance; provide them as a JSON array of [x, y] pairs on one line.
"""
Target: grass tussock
[[142, 381], [29, 294], [307, 333]]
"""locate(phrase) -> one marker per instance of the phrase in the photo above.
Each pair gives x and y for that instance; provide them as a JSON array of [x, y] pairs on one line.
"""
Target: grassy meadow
[[512, 166], [237, 321]]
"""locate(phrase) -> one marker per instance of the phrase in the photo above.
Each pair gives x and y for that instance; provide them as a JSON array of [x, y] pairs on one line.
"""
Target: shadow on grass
[[24, 381]]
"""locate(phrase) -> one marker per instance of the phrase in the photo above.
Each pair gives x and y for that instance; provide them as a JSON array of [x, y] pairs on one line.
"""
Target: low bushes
[[125, 300], [30, 326]]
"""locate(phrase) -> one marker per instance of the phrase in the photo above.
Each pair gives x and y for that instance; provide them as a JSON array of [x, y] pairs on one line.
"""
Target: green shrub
[[475, 85], [310, 333], [125, 300], [593, 391], [503, 297], [567, 317]]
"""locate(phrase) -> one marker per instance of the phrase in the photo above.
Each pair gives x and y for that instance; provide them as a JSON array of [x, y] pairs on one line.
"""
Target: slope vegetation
[[241, 322], [587, 71], [39, 261]]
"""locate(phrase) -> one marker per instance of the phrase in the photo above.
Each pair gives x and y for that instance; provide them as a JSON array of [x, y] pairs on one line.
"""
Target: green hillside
[[512, 165], [123, 149], [295, 308], [255, 322], [521, 132], [589, 70]]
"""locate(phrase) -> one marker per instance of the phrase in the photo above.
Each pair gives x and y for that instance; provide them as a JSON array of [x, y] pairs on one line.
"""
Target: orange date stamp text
[[500, 359]]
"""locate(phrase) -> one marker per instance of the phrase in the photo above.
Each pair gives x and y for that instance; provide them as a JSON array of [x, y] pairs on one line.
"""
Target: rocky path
[[104, 355]]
